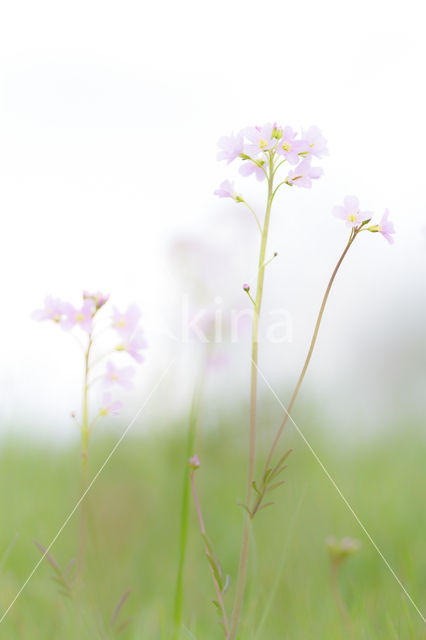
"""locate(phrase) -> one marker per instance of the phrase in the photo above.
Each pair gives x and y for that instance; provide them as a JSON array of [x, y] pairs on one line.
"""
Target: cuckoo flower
[[385, 227], [317, 144], [126, 323], [54, 309], [133, 343], [122, 376], [109, 407], [289, 147], [303, 174], [82, 317], [351, 213], [227, 190], [260, 139], [231, 147], [98, 298]]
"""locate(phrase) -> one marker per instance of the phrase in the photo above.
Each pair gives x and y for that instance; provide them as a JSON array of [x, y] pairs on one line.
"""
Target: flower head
[[351, 213], [54, 309], [227, 190], [289, 147], [385, 227], [126, 323], [122, 376], [249, 167], [81, 317], [303, 174], [133, 343], [316, 142], [98, 298], [231, 147], [108, 407], [339, 550], [194, 462], [260, 139]]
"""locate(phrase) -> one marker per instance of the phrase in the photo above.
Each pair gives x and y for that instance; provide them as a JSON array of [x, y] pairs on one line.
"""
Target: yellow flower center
[[121, 323], [56, 317], [286, 146], [114, 376], [263, 143], [79, 317], [352, 217]]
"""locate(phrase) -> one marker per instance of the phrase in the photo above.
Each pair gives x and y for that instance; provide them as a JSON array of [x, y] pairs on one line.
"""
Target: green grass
[[134, 536]]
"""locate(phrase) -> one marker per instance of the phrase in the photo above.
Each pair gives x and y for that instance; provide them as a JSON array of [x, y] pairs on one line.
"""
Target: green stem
[[353, 235], [245, 543], [185, 514], [85, 434]]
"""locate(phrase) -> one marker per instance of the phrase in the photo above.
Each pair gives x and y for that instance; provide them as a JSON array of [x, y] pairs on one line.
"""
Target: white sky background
[[109, 118]]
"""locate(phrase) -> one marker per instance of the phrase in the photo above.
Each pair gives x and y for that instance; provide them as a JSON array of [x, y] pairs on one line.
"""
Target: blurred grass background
[[134, 526]]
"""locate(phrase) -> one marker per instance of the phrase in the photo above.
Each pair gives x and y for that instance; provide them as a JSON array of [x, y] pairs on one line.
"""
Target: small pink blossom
[[260, 139], [194, 462], [316, 142], [98, 298], [385, 227], [232, 147], [303, 174], [227, 190], [249, 167], [289, 147], [54, 309], [133, 343], [351, 213], [126, 323], [81, 317], [122, 376], [109, 407]]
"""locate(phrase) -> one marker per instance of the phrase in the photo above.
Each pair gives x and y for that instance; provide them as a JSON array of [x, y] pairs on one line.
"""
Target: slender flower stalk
[[245, 544]]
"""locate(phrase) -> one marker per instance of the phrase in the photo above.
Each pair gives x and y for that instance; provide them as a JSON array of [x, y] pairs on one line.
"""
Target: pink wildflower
[[351, 213], [114, 375], [316, 142], [249, 167], [227, 190], [385, 227], [109, 407], [81, 317], [98, 298], [303, 174], [260, 139], [232, 147], [54, 309], [194, 462], [133, 343], [289, 147], [126, 323]]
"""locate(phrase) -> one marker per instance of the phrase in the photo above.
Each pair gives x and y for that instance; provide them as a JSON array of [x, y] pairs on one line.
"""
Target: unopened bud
[[246, 287], [194, 463]]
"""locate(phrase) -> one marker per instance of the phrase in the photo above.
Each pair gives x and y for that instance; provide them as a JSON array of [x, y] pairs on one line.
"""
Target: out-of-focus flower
[[303, 174], [289, 147], [122, 376], [249, 167], [260, 139], [227, 190], [133, 343], [81, 317], [351, 213], [194, 462], [98, 298], [316, 142], [109, 407], [385, 227], [231, 147], [340, 549], [126, 323], [54, 309]]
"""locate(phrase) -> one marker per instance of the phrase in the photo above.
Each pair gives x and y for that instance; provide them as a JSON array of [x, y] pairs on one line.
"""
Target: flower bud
[[194, 463]]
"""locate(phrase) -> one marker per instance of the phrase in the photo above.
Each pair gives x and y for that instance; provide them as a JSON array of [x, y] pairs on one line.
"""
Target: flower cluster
[[358, 220], [263, 149], [127, 336]]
